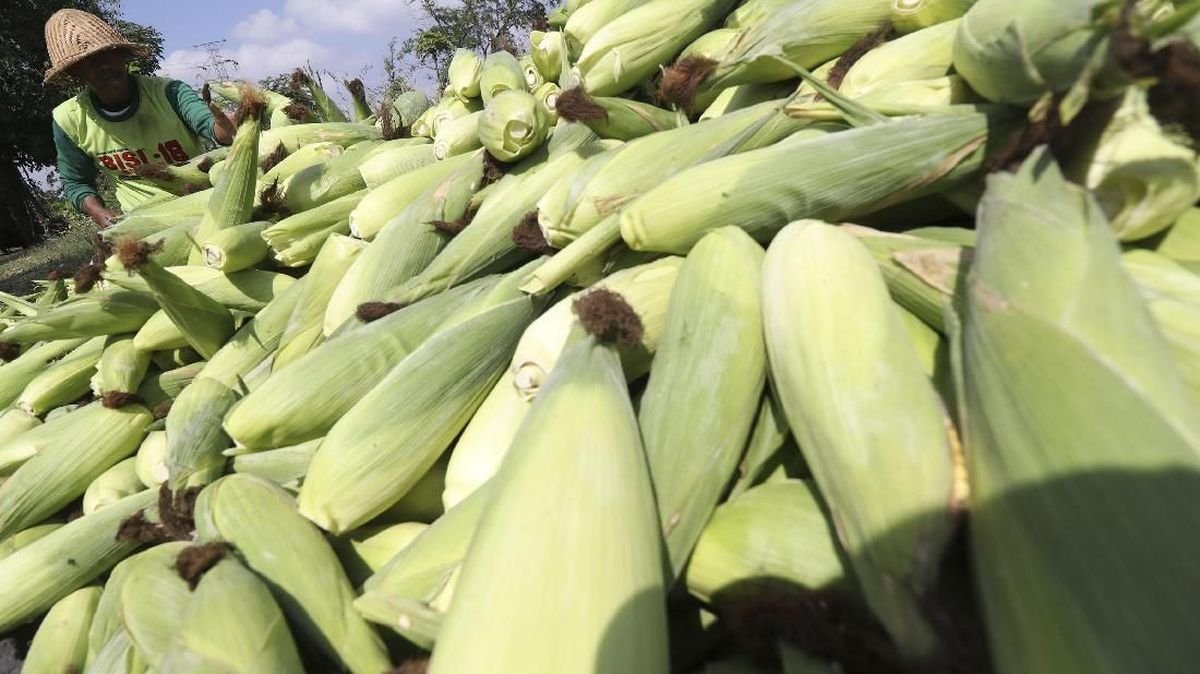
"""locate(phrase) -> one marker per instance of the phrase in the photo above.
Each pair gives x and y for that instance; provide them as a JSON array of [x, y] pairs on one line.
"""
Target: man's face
[[106, 73]]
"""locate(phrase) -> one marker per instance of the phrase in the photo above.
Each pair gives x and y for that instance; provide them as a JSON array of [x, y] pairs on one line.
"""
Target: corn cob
[[14, 422], [288, 236], [1182, 241], [302, 401], [259, 519], [204, 322], [692, 459], [33, 578], [321, 183], [304, 326], [60, 644], [912, 15], [285, 466], [248, 290], [1062, 371], [1173, 296], [547, 51], [236, 248], [607, 532], [296, 136], [411, 592], [457, 136], [414, 417], [408, 106], [500, 72], [154, 218], [327, 110], [232, 199], [62, 467], [303, 157], [407, 244], [108, 312], [370, 548], [631, 47], [25, 537], [462, 77], [583, 24], [449, 110], [57, 430], [170, 383], [533, 76], [150, 462], [122, 366], [111, 486], [394, 162], [253, 343], [889, 163], [388, 200], [618, 118], [195, 439], [921, 274], [107, 622], [513, 125], [64, 381], [813, 271], [358, 98], [16, 374]]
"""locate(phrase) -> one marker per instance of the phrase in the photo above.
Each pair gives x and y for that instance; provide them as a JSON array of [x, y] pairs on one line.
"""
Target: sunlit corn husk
[[248, 290], [1063, 372], [326, 109], [513, 125], [631, 47], [66, 559], [259, 519], [582, 430], [171, 248], [411, 592], [768, 448], [608, 185], [712, 45], [1172, 293], [303, 157], [921, 274], [833, 376], [150, 461], [236, 248], [304, 326], [24, 537], [367, 550], [54, 292], [60, 643], [485, 442], [775, 530], [388, 164], [742, 96], [322, 220], [203, 321], [111, 486], [64, 381], [449, 110], [547, 52], [67, 462], [117, 655], [1142, 178], [753, 11], [122, 366], [533, 76], [1015, 52], [584, 23], [168, 384], [295, 136], [107, 622], [154, 218], [833, 176], [388, 200], [462, 77], [358, 99], [501, 72], [547, 95], [104, 312], [179, 179], [16, 375], [152, 599], [326, 181], [1181, 242], [304, 400], [58, 429], [457, 136], [619, 118], [254, 341], [396, 432], [195, 438], [407, 107], [232, 199], [175, 358], [407, 243], [912, 15], [422, 127], [693, 456], [14, 422], [285, 466]]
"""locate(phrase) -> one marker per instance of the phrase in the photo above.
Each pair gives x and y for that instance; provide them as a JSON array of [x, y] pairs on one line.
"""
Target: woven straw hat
[[73, 35]]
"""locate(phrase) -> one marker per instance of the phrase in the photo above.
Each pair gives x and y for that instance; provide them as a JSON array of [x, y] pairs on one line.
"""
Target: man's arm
[[77, 173], [205, 120]]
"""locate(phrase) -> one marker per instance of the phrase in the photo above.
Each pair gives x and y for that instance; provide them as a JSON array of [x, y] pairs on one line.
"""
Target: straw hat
[[73, 35]]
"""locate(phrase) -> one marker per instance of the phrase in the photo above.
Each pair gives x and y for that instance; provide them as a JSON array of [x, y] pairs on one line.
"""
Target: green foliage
[[281, 83]]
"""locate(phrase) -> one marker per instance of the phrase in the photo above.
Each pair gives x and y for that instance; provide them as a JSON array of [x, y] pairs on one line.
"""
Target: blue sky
[[345, 37]]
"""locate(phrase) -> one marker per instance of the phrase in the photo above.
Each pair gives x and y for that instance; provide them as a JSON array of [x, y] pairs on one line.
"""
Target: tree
[[26, 144], [483, 26], [281, 83]]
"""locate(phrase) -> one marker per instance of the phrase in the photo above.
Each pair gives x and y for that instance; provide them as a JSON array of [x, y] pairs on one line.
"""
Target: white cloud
[[350, 16], [258, 60], [264, 24], [183, 64]]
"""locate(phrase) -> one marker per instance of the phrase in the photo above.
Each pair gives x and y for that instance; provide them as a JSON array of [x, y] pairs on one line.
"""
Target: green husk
[[370, 548], [1063, 374], [358, 97], [321, 183], [1182, 241], [295, 136], [303, 157], [327, 110], [547, 51], [462, 76], [513, 125], [122, 366], [533, 76], [108, 621], [457, 136], [408, 106], [501, 72], [154, 218], [236, 248], [866, 415], [67, 462], [304, 326], [693, 456], [33, 578], [259, 519], [111, 486], [390, 199], [254, 341], [204, 322], [60, 644], [285, 466], [909, 16], [14, 422], [232, 199], [584, 23], [150, 462], [195, 438], [25, 537], [1172, 294], [64, 381], [16, 375], [385, 165], [105, 312], [248, 290], [619, 118], [290, 234]]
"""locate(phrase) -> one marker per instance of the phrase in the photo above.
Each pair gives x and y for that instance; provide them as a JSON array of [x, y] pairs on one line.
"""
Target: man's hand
[[223, 127], [100, 214]]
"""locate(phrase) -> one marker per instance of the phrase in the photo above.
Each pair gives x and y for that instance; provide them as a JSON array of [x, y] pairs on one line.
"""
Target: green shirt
[[166, 123]]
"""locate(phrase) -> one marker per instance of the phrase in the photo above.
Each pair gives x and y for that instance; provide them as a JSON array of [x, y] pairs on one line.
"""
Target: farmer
[[120, 121]]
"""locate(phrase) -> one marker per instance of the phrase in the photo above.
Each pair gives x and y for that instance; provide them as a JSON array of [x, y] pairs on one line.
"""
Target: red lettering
[[108, 162], [142, 156], [130, 158], [174, 151]]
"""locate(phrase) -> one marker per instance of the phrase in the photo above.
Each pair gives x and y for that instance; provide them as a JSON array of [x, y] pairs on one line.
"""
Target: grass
[[65, 253]]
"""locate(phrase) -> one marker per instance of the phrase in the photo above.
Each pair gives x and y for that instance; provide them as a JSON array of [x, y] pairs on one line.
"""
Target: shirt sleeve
[[76, 170], [187, 104]]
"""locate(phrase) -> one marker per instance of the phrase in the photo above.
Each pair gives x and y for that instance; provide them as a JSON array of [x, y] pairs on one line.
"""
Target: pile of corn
[[790, 336]]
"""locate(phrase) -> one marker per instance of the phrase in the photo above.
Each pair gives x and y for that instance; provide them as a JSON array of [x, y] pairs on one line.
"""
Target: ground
[[18, 269]]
